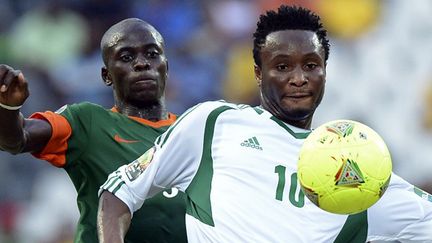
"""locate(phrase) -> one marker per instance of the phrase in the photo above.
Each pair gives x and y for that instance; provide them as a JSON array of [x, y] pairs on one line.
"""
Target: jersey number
[[294, 189], [174, 192]]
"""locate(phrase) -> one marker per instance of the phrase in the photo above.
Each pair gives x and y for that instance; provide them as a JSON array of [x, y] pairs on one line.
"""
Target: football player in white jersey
[[237, 164]]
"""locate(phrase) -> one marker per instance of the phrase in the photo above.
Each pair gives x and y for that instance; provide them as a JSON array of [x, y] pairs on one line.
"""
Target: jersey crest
[[137, 167]]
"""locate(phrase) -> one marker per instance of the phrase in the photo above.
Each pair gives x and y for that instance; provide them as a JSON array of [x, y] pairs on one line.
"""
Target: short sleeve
[[172, 162], [72, 125], [401, 214], [55, 150]]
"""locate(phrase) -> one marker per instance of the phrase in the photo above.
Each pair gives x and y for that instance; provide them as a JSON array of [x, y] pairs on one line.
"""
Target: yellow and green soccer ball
[[344, 167]]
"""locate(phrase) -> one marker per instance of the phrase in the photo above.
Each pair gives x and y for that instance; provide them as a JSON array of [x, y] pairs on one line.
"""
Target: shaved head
[[116, 32]]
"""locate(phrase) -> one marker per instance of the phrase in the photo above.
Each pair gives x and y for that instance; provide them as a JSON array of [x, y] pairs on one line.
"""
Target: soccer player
[[89, 142], [237, 164]]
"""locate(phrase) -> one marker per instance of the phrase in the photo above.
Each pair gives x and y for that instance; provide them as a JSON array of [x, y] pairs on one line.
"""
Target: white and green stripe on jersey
[[238, 193]]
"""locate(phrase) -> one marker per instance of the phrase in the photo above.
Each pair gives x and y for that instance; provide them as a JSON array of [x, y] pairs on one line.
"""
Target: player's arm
[[172, 162], [17, 134], [113, 219], [123, 193], [404, 213]]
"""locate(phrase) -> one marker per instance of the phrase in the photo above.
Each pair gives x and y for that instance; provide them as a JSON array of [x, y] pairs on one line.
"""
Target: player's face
[[292, 75], [137, 66]]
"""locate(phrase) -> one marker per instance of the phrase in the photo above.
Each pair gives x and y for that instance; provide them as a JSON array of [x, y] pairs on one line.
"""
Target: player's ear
[[258, 75], [106, 76]]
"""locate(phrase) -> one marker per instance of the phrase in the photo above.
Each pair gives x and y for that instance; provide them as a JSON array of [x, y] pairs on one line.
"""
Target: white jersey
[[237, 166]]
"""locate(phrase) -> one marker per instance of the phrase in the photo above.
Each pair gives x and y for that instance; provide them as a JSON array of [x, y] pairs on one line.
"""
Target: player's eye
[[282, 67], [310, 66], [152, 54], [126, 57]]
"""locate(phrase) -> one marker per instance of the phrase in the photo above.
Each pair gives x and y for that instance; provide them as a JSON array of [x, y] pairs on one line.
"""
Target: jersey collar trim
[[296, 132], [162, 123]]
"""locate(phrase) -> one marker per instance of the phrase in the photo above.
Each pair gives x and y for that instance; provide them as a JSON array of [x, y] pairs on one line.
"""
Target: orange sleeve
[[55, 150]]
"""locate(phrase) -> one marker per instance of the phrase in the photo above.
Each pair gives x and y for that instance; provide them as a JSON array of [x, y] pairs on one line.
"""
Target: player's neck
[[304, 123], [152, 113]]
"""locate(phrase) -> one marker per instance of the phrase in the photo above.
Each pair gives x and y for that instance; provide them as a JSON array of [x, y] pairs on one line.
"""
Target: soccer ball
[[344, 167]]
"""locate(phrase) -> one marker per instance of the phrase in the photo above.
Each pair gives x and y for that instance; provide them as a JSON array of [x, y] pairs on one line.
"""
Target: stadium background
[[379, 73]]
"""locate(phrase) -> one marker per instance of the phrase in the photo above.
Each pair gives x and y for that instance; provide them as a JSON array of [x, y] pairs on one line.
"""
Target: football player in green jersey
[[89, 142], [237, 164]]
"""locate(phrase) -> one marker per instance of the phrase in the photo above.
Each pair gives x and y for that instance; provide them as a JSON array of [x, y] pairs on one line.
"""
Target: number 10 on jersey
[[296, 195]]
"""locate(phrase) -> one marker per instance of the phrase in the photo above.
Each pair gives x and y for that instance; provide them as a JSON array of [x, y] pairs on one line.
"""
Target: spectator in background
[[46, 32]]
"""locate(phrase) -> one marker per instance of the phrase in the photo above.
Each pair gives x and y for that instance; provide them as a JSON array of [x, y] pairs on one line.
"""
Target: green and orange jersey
[[90, 142]]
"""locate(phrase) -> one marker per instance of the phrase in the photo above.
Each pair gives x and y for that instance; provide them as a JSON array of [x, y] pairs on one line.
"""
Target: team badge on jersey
[[136, 168]]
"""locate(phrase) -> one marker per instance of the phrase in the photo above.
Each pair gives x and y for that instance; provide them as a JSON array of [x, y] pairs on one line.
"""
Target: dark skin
[[17, 134], [292, 76], [291, 80], [113, 219], [135, 67]]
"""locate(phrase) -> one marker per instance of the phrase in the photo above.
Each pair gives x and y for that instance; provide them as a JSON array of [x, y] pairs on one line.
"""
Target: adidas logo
[[252, 143]]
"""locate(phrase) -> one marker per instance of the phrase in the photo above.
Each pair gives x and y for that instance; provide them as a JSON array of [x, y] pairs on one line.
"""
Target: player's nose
[[141, 63], [297, 77]]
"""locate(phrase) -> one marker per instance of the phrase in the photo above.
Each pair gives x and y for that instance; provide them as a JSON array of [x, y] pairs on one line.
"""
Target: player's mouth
[[145, 83], [298, 96]]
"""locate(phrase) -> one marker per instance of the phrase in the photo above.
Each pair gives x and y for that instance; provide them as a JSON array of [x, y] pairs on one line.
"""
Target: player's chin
[[143, 90], [145, 94], [145, 100], [298, 113], [298, 106], [294, 102]]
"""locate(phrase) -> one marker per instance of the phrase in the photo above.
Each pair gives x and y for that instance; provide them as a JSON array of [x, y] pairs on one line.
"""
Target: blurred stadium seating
[[379, 73]]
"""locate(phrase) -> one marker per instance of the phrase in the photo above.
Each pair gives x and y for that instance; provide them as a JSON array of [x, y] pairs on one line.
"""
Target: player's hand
[[13, 86]]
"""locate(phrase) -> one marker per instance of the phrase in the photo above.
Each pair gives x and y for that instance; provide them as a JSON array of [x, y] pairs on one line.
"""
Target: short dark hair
[[123, 28], [288, 18]]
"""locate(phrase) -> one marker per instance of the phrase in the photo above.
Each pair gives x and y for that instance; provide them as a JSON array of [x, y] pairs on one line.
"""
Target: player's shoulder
[[201, 112], [210, 110], [88, 106], [403, 211], [82, 107], [398, 182], [403, 190], [218, 106], [214, 104]]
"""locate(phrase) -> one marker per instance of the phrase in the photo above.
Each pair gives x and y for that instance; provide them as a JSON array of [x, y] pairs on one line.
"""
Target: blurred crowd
[[379, 73]]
